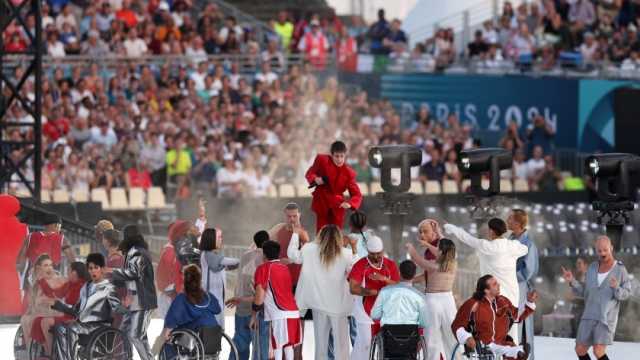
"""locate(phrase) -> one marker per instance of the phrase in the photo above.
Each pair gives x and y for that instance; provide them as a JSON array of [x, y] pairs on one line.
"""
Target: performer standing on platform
[[331, 177], [606, 286], [526, 269]]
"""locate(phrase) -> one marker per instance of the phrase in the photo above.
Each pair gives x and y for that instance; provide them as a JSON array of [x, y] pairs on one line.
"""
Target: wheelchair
[[22, 350], [210, 343], [398, 342], [105, 342]]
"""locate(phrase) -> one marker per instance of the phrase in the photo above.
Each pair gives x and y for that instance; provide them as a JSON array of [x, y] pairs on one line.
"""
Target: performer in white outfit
[[323, 288], [440, 304], [498, 257]]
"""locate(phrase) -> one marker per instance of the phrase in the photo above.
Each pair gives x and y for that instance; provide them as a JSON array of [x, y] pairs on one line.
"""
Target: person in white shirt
[[588, 48], [498, 256], [199, 76], [266, 75], [536, 163], [323, 288], [260, 183], [230, 178], [133, 45], [55, 48], [103, 135], [519, 166]]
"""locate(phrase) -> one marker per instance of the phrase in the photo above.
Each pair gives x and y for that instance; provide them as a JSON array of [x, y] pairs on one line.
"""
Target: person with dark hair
[[331, 177], [486, 317], [96, 306], [359, 235], [401, 304], [325, 264], [245, 337], [213, 264], [274, 294], [137, 274], [367, 277], [194, 308], [498, 256], [181, 250], [439, 296]]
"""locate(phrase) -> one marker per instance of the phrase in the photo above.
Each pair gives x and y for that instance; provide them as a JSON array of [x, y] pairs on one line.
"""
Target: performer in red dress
[[274, 294], [13, 232], [331, 177]]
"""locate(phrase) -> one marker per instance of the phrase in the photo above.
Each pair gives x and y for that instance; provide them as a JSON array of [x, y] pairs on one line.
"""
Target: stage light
[[390, 157], [476, 162], [594, 166]]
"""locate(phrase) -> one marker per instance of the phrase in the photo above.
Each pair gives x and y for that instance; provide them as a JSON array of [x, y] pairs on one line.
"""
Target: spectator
[[512, 136], [434, 170], [138, 176], [133, 45], [549, 179], [154, 154], [490, 35], [589, 48], [178, 161], [478, 46], [536, 164], [230, 35], [377, 33], [314, 45], [522, 44], [103, 135], [346, 51], [394, 37], [55, 48], [104, 17], [540, 134], [284, 28], [581, 15], [66, 17], [259, 184], [266, 76], [127, 15], [273, 56], [452, 172], [231, 180]]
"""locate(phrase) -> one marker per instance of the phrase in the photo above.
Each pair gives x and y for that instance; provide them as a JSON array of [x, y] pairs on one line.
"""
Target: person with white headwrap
[[368, 276]]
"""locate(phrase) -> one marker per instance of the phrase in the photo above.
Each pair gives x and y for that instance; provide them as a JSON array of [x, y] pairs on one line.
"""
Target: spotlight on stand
[[476, 163], [612, 174], [396, 201]]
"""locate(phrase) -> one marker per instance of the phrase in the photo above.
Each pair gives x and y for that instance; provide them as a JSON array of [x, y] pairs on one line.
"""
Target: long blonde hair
[[330, 242], [447, 259]]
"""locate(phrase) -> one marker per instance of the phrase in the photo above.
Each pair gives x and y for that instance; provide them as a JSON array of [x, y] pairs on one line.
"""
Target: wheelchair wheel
[[183, 344], [36, 350], [377, 349], [228, 348], [105, 343], [421, 353], [20, 351]]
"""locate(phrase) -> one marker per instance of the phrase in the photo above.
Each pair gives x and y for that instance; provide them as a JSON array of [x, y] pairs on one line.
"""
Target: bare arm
[[357, 289], [419, 260]]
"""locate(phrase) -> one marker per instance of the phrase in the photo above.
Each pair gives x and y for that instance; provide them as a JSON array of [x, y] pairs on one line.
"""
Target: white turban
[[374, 244]]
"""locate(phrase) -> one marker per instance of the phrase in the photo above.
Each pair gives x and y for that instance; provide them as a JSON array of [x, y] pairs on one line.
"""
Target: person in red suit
[[13, 232], [487, 317], [331, 177]]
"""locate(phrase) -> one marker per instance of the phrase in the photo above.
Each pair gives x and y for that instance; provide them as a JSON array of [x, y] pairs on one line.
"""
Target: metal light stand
[[397, 206], [614, 216]]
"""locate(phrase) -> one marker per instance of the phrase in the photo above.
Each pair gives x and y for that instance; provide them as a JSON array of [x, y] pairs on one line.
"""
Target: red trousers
[[329, 217]]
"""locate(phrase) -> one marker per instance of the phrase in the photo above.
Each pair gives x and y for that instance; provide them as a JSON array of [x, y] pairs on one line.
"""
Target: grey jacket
[[602, 303], [137, 273], [97, 302]]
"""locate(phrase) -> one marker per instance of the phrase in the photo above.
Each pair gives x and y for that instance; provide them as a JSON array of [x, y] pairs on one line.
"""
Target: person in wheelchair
[[482, 323], [401, 311], [194, 308], [95, 309]]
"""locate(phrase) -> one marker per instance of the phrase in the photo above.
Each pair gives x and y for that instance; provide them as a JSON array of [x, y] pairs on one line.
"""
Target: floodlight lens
[[377, 157], [594, 166], [465, 162]]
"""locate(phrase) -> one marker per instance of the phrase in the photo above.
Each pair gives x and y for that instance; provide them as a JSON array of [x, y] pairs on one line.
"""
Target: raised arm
[[621, 288], [463, 236], [130, 271], [354, 191], [419, 260]]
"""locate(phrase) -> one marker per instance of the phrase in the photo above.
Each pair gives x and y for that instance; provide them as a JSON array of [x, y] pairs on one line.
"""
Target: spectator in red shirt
[[127, 15], [57, 126], [139, 176], [15, 43], [367, 277]]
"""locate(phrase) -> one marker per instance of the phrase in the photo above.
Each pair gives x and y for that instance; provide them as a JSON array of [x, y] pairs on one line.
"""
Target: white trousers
[[362, 345], [164, 302], [528, 322], [283, 353], [440, 312], [323, 325]]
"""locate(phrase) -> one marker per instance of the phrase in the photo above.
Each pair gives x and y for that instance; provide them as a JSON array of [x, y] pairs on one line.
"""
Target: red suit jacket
[[329, 196], [491, 320]]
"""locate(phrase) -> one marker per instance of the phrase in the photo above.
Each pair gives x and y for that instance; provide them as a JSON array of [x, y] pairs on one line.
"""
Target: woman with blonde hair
[[439, 296], [323, 288]]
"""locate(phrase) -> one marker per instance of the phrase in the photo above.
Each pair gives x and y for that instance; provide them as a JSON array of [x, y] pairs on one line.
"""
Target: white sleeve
[[293, 251], [462, 335], [463, 236]]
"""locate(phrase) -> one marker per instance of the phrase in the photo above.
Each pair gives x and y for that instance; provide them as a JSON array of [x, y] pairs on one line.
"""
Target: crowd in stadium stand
[[205, 125], [550, 33]]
